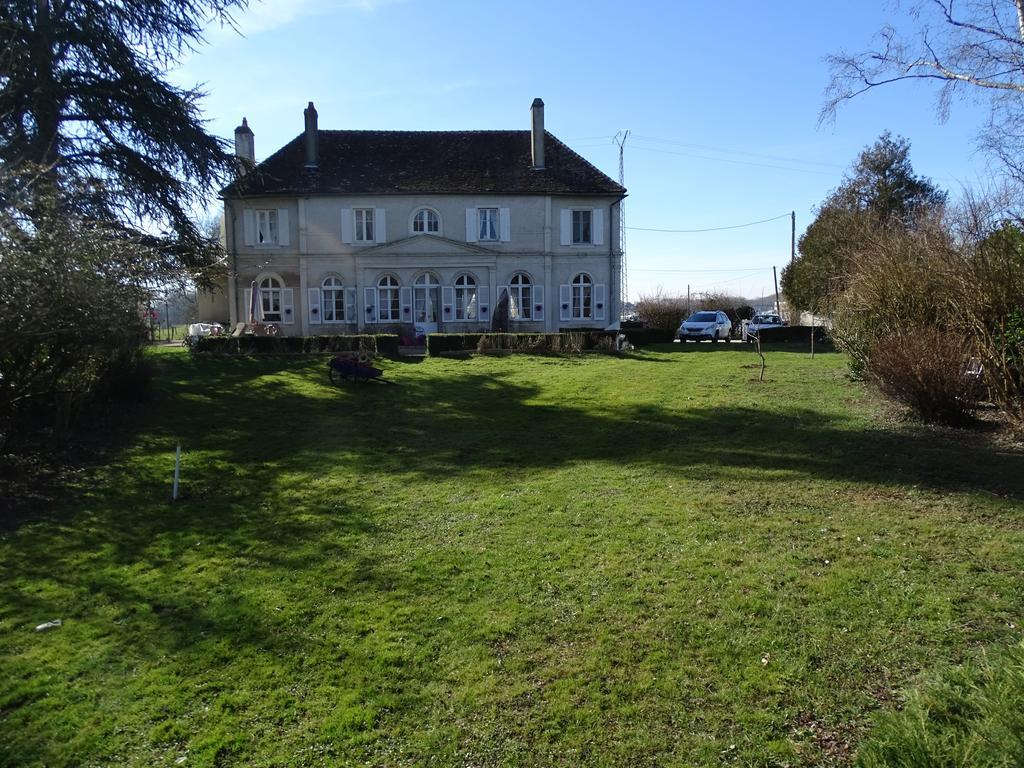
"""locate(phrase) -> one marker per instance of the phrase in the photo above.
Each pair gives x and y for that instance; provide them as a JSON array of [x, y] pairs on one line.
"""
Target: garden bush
[[793, 334], [569, 342], [924, 368], [383, 344], [640, 337], [662, 312]]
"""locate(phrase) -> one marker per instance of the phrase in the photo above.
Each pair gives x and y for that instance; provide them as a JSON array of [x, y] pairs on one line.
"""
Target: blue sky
[[722, 101]]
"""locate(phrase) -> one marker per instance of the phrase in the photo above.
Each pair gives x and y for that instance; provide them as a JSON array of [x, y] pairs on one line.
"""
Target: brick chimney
[[312, 137], [245, 144], [537, 133]]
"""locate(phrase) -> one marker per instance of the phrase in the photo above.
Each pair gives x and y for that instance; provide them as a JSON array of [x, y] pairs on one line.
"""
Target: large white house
[[354, 231]]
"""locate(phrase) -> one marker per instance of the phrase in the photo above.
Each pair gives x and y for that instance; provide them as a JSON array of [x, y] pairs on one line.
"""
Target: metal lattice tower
[[620, 139]]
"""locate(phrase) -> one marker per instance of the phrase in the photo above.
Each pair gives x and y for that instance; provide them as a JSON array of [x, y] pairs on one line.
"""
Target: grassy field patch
[[647, 560]]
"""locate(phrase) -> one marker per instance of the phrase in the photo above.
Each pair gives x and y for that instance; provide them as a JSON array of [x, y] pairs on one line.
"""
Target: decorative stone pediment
[[427, 245]]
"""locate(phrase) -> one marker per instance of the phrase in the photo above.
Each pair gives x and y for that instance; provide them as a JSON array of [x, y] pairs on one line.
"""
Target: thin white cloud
[[266, 15]]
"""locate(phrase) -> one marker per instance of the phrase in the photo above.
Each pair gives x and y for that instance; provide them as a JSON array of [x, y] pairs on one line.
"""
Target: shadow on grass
[[441, 425], [254, 426], [187, 577]]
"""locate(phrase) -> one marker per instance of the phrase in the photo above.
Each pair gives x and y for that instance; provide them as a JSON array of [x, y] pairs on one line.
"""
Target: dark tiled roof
[[424, 162]]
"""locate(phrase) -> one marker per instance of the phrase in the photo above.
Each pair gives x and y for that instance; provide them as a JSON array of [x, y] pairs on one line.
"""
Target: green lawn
[[649, 560]]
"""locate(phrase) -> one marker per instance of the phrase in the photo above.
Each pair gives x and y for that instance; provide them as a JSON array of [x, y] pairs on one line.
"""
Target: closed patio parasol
[[255, 305]]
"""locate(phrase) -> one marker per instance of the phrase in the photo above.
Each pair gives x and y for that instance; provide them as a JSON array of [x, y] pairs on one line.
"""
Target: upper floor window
[[426, 221], [581, 229], [519, 296], [266, 227], [364, 225], [270, 299], [334, 300], [489, 224], [465, 297]]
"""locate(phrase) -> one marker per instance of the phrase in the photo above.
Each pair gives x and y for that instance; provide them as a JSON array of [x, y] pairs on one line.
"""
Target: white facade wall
[[311, 246]]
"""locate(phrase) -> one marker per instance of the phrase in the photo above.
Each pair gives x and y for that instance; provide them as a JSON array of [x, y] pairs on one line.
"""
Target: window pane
[[581, 226]]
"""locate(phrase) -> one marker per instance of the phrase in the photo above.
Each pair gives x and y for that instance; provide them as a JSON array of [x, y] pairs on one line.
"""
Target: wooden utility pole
[[778, 309], [792, 238], [687, 299]]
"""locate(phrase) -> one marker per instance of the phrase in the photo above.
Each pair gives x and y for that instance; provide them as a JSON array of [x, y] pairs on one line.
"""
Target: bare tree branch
[[973, 49]]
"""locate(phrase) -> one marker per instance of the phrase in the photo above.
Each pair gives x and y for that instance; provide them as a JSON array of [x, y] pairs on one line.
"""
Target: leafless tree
[[974, 49]]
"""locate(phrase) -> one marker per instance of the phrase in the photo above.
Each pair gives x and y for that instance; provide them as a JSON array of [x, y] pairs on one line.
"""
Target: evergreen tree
[[88, 119], [880, 191], [103, 163]]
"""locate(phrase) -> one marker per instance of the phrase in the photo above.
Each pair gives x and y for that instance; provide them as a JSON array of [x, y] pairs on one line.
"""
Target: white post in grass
[[177, 470]]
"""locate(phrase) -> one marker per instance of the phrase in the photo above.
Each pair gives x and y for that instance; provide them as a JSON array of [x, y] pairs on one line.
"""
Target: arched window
[[387, 299], [426, 221], [334, 300], [520, 299], [465, 297], [582, 297], [426, 298], [270, 299]]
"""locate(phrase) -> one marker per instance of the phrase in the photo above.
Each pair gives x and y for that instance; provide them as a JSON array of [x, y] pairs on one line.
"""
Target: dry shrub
[[923, 368], [662, 311], [666, 312], [988, 304], [898, 279], [736, 307]]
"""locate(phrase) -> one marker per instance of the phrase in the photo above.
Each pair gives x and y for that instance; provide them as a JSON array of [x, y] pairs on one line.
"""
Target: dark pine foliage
[[85, 111]]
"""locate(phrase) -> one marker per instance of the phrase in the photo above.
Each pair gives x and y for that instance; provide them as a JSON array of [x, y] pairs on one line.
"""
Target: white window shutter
[[370, 305], [406, 299], [447, 304], [506, 224], [314, 309], [597, 226], [243, 316], [472, 225], [347, 225], [538, 302], [283, 230], [380, 224], [483, 303], [249, 226], [566, 226], [350, 305], [600, 301], [288, 306], [565, 302]]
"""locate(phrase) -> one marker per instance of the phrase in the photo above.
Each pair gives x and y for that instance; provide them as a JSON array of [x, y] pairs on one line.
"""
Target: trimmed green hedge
[[640, 337], [793, 333], [530, 343], [381, 343]]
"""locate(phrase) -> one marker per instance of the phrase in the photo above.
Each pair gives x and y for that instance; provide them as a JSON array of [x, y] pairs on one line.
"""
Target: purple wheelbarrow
[[347, 368]]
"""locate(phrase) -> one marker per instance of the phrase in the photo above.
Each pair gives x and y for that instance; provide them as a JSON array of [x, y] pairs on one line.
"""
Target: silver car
[[764, 320], [705, 325]]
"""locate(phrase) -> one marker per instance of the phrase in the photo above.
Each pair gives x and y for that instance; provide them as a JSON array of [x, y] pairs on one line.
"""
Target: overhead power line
[[712, 229], [714, 271], [760, 155]]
